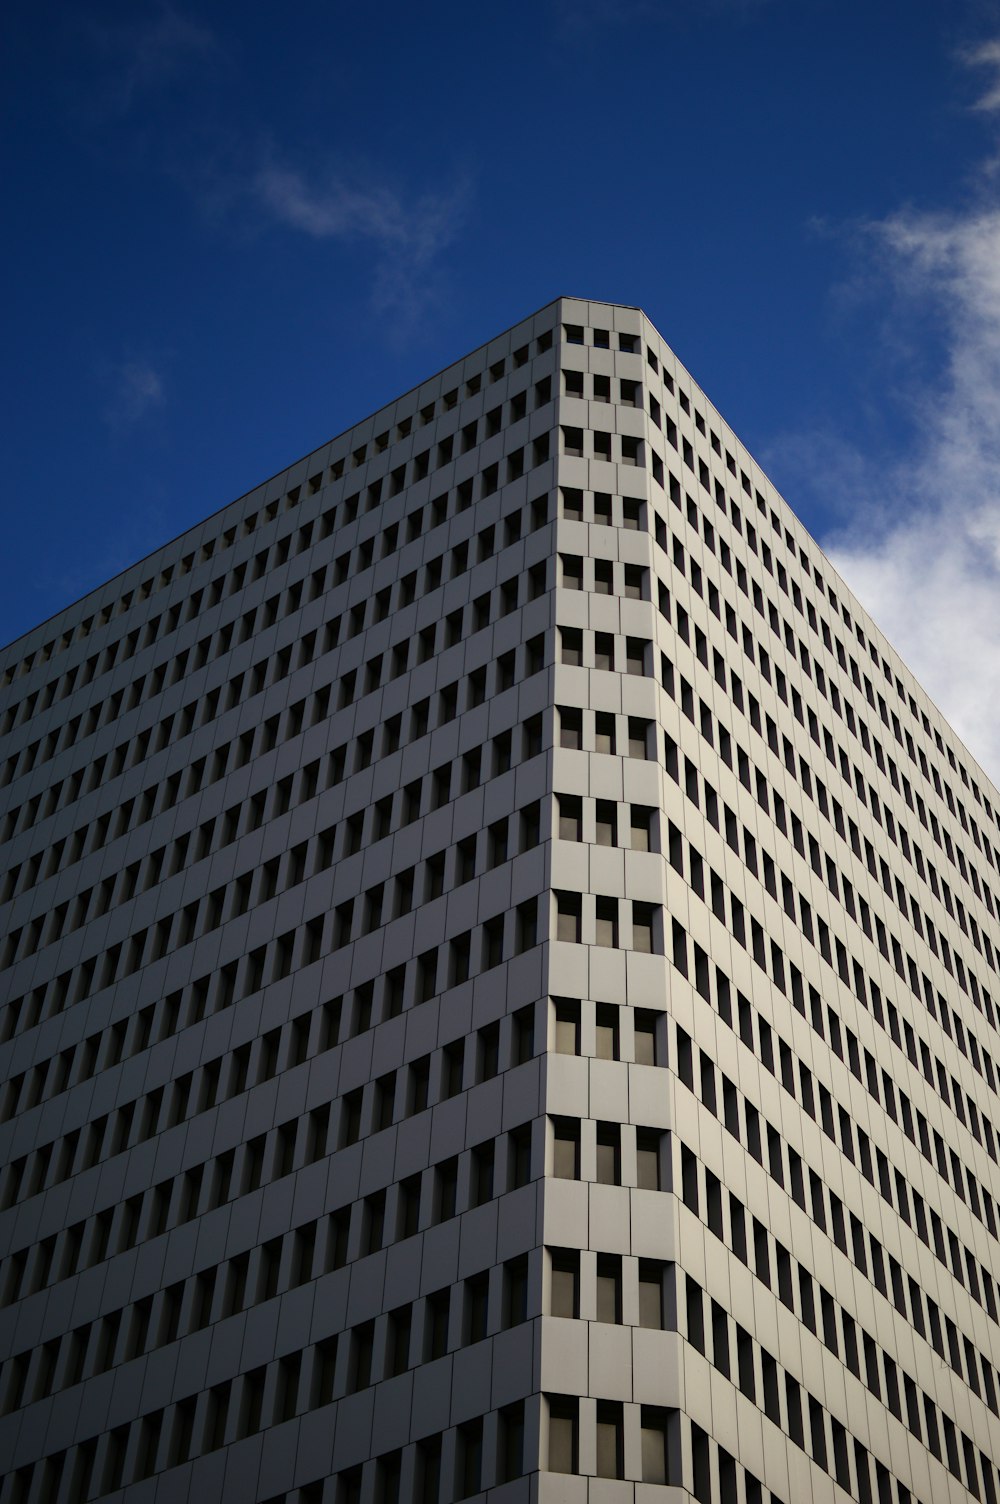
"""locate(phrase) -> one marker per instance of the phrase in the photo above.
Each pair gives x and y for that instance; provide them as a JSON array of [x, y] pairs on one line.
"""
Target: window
[[571, 646], [428, 1471], [567, 1026], [436, 1325], [476, 1315], [452, 1068], [564, 1283], [572, 504], [661, 1447], [609, 1154], [569, 917], [445, 1190], [566, 1148], [647, 1156], [646, 1038], [519, 1157], [515, 1291], [644, 924], [572, 572], [606, 828], [652, 1294], [607, 1040], [606, 913], [481, 1187], [609, 1288], [510, 1443], [641, 828], [563, 1418], [604, 732], [570, 728], [570, 817], [527, 925], [638, 737], [469, 1459], [635, 655], [497, 843], [604, 650], [610, 1439]]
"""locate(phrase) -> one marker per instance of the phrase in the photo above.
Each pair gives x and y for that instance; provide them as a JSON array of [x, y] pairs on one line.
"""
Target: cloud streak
[[407, 238], [921, 550]]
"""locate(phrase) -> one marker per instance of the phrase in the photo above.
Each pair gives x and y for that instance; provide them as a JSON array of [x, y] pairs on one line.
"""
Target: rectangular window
[[566, 1148], [563, 1421], [564, 1293]]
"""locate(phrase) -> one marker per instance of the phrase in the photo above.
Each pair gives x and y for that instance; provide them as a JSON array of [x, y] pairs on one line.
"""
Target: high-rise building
[[499, 965]]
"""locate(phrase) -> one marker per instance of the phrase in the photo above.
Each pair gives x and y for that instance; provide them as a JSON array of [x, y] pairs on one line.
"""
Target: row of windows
[[966, 1270], [270, 802], [256, 742], [602, 653], [226, 1076], [491, 1168], [862, 1247], [488, 1301], [323, 934], [573, 922], [320, 582], [790, 1406], [838, 885], [855, 723], [610, 447], [266, 672], [630, 393], [931, 1000], [901, 1032], [68, 988], [768, 798], [314, 485], [460, 1455], [237, 1409], [257, 887], [771, 959], [375, 609], [815, 1307], [362, 1111], [439, 873], [847, 829], [835, 754], [348, 460], [788, 539], [642, 832]]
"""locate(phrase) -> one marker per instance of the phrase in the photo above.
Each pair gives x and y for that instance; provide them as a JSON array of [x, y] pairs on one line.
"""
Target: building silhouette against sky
[[499, 986]]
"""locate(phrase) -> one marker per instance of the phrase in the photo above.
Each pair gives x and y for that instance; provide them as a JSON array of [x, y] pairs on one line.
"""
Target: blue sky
[[238, 229]]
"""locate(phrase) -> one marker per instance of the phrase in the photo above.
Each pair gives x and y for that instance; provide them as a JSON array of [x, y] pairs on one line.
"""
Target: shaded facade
[[498, 973]]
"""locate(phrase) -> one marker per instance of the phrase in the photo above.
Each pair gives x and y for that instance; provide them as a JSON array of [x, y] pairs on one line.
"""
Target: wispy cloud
[[147, 52], [407, 237], [986, 55], [921, 544], [135, 389]]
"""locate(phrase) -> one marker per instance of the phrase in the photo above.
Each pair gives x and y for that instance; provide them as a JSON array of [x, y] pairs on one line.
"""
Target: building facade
[[499, 975]]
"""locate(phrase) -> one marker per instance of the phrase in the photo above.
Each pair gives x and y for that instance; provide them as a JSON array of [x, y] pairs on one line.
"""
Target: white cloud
[[136, 388], [986, 55], [406, 237], [922, 547]]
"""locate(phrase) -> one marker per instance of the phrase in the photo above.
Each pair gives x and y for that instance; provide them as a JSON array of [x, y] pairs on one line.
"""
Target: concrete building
[[499, 976]]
